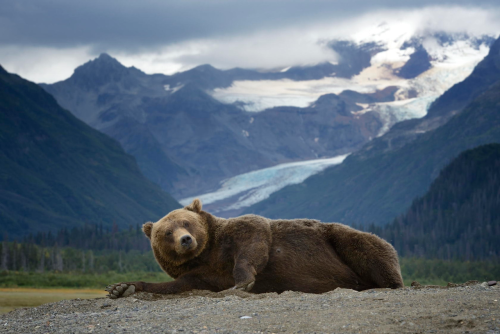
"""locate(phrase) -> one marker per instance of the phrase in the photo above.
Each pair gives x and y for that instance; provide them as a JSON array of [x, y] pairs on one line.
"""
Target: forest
[[459, 217]]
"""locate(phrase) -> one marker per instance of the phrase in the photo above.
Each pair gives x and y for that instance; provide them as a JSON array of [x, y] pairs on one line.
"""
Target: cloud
[[169, 36], [261, 50], [131, 24], [308, 44], [43, 64]]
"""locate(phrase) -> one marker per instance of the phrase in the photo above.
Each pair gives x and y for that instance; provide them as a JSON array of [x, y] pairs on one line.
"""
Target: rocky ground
[[472, 307]]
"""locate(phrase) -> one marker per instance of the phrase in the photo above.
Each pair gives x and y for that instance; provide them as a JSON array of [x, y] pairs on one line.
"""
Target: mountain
[[380, 181], [459, 217], [452, 102], [192, 130], [58, 172], [418, 63], [187, 141]]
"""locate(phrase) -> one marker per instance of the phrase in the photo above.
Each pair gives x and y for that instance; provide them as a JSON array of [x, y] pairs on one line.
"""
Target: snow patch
[[173, 89], [264, 94], [428, 86]]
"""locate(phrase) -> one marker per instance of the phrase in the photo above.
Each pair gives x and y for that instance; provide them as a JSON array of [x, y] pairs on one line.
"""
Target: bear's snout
[[186, 240]]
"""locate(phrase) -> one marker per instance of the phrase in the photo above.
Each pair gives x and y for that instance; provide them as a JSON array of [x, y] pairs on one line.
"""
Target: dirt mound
[[458, 308]]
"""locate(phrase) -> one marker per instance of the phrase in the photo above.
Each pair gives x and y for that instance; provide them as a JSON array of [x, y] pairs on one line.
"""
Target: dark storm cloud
[[126, 23]]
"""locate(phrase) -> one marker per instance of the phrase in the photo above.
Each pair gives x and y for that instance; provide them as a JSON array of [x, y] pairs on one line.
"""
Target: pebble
[[491, 283]]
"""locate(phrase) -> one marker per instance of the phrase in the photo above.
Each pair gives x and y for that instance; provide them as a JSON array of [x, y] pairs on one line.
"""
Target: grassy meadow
[[75, 280], [28, 289], [12, 298]]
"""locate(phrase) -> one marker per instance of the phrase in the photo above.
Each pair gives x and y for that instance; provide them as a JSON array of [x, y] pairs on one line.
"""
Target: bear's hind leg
[[370, 257]]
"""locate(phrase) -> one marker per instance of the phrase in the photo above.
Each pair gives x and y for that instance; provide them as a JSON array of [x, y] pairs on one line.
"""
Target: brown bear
[[260, 255]]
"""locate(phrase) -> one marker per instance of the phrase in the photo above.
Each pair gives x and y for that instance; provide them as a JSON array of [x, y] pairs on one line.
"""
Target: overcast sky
[[44, 40]]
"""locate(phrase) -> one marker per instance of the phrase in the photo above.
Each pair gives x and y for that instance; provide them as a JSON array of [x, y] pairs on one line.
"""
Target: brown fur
[[262, 255]]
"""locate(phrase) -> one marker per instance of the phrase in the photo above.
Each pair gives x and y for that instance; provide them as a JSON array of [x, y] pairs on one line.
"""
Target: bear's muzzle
[[186, 241]]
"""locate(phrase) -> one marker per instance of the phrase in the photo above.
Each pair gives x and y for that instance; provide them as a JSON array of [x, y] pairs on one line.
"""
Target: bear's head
[[179, 236]]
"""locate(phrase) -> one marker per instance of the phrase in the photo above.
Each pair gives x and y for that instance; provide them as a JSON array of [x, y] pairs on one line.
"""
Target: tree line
[[88, 248]]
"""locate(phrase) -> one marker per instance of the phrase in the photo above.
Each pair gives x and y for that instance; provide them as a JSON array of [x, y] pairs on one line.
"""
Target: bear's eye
[[186, 224], [169, 233]]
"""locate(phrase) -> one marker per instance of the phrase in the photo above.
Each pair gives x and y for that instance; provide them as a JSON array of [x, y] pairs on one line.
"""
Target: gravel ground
[[464, 308]]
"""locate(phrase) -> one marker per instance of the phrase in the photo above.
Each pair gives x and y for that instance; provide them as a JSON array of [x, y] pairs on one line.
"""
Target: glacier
[[249, 188]]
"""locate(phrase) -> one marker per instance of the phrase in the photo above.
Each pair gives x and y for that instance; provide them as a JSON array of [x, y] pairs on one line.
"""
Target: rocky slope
[[470, 308], [187, 141]]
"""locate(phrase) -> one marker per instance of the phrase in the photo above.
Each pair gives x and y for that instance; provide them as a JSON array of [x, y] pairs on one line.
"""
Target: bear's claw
[[244, 287], [120, 290]]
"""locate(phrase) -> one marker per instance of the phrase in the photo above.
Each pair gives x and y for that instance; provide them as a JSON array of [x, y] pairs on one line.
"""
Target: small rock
[[245, 317], [485, 284], [491, 283]]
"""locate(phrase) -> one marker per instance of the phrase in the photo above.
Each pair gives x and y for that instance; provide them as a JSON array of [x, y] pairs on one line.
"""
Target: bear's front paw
[[120, 290], [244, 286]]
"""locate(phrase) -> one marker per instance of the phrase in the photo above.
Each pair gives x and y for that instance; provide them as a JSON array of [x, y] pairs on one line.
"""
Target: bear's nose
[[186, 240]]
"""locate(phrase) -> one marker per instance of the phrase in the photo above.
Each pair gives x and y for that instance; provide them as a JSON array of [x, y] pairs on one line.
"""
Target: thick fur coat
[[256, 254]]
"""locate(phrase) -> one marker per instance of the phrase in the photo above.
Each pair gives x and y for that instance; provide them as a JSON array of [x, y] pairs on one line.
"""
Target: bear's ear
[[195, 206], [147, 229]]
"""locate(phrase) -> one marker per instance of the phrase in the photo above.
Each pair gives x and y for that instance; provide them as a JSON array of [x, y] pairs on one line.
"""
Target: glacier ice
[[249, 188]]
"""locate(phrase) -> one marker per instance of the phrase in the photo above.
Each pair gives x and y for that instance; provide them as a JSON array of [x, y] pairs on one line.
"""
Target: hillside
[[380, 181], [459, 217], [58, 172]]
